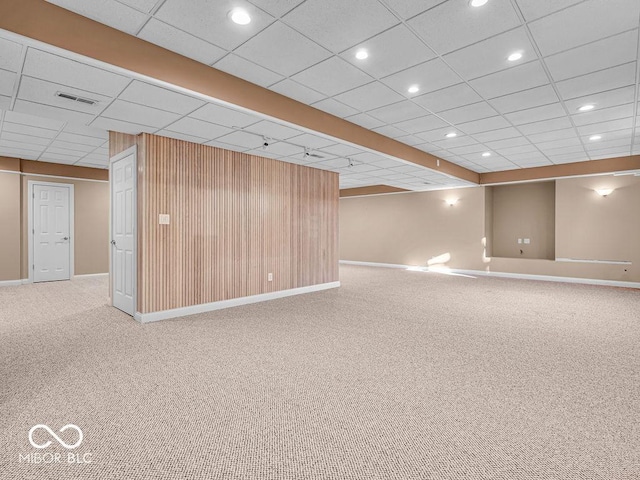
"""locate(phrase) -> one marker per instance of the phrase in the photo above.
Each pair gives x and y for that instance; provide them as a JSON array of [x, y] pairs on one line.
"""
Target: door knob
[[113, 242], [65, 238]]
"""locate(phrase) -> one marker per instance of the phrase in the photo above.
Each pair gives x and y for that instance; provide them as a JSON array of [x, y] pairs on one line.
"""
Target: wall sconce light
[[604, 191], [451, 201]]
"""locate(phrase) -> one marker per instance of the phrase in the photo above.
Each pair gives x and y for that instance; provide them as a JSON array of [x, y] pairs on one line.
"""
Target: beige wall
[[10, 231], [91, 222], [91, 235], [523, 211], [413, 227]]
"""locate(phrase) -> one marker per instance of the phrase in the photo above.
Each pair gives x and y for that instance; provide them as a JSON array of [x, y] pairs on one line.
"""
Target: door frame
[[131, 150], [31, 233]]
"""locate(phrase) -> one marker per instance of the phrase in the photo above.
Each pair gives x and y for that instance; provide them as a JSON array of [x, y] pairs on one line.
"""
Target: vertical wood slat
[[234, 218]]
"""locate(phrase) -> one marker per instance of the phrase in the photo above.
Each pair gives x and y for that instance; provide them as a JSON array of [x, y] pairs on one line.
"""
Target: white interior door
[[51, 233], [123, 242]]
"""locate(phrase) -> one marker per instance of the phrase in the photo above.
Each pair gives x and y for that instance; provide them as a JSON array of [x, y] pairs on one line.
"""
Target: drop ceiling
[[523, 113]]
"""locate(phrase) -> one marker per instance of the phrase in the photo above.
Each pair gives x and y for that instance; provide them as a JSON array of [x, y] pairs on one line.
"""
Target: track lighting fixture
[[265, 145]]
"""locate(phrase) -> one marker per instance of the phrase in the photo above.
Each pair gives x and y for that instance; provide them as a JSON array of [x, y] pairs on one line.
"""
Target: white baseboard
[[86, 275], [234, 302], [13, 283], [521, 276]]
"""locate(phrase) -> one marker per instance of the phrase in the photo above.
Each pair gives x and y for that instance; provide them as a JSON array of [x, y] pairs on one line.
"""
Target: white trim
[[521, 276], [11, 171], [133, 150], [64, 178], [86, 275], [234, 302], [13, 283], [72, 228], [606, 262]]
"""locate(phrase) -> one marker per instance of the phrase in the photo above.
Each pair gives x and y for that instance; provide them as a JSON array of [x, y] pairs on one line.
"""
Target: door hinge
[[33, 267]]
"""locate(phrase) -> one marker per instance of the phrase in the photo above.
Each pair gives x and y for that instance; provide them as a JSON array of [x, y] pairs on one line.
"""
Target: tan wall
[[91, 222], [409, 228], [234, 218], [524, 211], [413, 228], [10, 231]]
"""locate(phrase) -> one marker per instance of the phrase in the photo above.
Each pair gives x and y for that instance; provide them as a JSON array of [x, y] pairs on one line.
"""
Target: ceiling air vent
[[68, 96]]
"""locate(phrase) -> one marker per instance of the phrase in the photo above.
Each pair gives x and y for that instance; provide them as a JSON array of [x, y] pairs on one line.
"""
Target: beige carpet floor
[[396, 375]]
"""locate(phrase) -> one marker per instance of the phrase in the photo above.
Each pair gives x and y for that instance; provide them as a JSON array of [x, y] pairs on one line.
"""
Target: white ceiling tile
[[410, 8], [334, 107], [369, 96], [459, 141], [42, 92], [586, 22], [80, 139], [555, 144], [63, 71], [226, 146], [120, 126], [365, 120], [603, 127], [468, 113], [143, 5], [158, 97], [389, 131], [87, 131], [483, 125], [473, 150], [285, 149], [262, 153], [239, 67], [332, 76], [397, 112], [7, 82], [294, 90], [610, 153], [452, 25], [515, 79], [274, 130], [490, 55], [73, 147], [572, 147], [536, 114], [603, 114], [224, 116], [508, 143], [242, 139], [596, 56], [609, 79], [282, 50], [109, 12], [410, 140], [277, 8], [494, 135], [538, 138], [545, 126], [429, 76], [526, 99], [311, 141], [447, 98], [56, 158], [48, 111], [521, 151], [32, 120], [422, 124], [539, 162], [27, 147], [532, 9], [180, 42], [610, 140], [198, 128], [140, 114], [338, 25], [611, 98], [568, 158], [10, 55], [389, 52], [341, 150], [28, 130], [208, 20], [24, 139], [5, 102], [435, 135]]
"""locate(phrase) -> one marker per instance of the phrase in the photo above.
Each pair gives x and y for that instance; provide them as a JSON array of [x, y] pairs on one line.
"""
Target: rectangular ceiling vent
[[68, 96]]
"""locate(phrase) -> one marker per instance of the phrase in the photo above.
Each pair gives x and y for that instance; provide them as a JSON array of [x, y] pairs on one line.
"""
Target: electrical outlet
[[163, 219], [270, 277], [519, 241], [527, 241]]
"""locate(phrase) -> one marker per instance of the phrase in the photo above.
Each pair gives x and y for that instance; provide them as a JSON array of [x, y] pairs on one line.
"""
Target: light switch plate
[[519, 241], [163, 219], [527, 241]]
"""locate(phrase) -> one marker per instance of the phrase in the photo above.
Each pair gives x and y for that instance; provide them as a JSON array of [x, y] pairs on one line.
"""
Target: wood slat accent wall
[[234, 218]]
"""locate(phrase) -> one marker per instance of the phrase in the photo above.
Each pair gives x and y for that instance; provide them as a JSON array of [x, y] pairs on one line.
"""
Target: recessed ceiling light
[[240, 16], [514, 56], [586, 108], [486, 154], [593, 138], [478, 3], [414, 89], [362, 54], [451, 135]]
